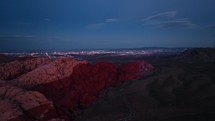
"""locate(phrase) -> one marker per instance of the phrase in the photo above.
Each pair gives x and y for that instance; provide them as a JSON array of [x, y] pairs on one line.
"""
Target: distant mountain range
[[110, 52]]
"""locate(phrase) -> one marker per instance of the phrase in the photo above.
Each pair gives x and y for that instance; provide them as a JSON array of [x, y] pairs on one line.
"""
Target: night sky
[[83, 24]]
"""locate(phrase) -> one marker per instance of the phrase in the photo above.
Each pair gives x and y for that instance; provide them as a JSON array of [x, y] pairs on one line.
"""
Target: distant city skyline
[[108, 24]]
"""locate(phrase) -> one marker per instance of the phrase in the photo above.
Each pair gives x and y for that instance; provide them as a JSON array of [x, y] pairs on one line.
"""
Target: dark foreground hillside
[[182, 88]]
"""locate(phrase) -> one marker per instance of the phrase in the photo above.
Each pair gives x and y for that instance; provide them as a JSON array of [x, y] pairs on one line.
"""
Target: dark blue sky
[[81, 24]]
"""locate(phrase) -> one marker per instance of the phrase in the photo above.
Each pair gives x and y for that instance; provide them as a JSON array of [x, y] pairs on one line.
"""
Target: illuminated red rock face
[[16, 68], [70, 84], [88, 80], [134, 70], [17, 104], [56, 70]]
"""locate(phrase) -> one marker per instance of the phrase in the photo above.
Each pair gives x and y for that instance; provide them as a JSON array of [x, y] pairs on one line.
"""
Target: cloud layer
[[102, 24], [165, 15], [168, 20]]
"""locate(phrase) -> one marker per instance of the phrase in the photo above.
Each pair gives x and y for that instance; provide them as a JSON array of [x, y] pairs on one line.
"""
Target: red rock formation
[[53, 79], [134, 70], [16, 68], [49, 73], [72, 84], [88, 80], [19, 105]]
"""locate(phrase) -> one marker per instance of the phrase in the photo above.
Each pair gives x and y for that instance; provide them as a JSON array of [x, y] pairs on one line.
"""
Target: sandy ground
[[178, 90]]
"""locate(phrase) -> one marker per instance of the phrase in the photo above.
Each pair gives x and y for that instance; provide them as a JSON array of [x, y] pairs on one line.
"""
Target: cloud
[[168, 20], [96, 26], [111, 20], [165, 15], [102, 24], [180, 23], [177, 24]]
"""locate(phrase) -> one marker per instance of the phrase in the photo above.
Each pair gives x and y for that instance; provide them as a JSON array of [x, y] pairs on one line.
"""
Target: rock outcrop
[[63, 85], [134, 70], [54, 71], [88, 80], [21, 105], [16, 68]]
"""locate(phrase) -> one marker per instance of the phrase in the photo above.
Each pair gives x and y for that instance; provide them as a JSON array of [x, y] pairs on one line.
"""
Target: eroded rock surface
[[60, 87], [54, 71], [16, 68], [134, 70], [20, 105]]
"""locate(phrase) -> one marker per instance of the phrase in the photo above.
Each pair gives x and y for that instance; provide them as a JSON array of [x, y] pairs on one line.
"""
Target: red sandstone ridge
[[88, 80], [54, 71], [134, 70], [16, 68], [19, 105], [72, 84]]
